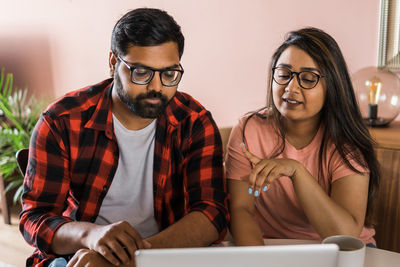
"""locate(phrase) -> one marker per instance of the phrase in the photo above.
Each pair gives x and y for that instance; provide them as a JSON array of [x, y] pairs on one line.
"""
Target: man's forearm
[[193, 230], [70, 237]]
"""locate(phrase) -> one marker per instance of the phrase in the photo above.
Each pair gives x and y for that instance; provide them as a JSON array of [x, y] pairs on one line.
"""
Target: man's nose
[[155, 83]]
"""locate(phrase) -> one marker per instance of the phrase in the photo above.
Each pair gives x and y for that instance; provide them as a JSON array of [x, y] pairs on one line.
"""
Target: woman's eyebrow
[[310, 69], [284, 65]]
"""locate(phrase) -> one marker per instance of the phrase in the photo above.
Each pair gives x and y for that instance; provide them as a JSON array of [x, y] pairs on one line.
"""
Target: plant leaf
[[13, 185], [18, 194], [21, 112]]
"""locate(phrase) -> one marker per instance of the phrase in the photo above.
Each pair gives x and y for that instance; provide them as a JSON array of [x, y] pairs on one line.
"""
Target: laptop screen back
[[317, 255]]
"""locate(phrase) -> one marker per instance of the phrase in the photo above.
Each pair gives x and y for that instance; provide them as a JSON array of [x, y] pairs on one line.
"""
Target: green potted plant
[[19, 112]]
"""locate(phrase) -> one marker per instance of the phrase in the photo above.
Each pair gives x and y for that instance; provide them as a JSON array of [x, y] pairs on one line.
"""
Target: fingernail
[[256, 193], [265, 188], [250, 190]]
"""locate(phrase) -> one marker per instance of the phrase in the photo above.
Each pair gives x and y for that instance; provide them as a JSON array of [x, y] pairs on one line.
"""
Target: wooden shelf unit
[[388, 206]]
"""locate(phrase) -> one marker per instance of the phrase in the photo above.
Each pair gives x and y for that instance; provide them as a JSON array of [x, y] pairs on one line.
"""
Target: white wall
[[65, 43]]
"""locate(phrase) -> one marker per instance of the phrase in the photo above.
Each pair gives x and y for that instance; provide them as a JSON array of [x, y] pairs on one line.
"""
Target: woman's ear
[[112, 61]]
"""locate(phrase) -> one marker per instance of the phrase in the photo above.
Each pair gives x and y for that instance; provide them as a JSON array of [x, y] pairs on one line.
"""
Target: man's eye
[[169, 73], [141, 71]]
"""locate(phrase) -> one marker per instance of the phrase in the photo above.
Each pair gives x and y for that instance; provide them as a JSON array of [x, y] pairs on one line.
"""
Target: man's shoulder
[[78, 101], [184, 106]]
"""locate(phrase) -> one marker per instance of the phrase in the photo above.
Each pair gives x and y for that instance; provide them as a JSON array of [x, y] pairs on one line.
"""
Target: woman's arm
[[341, 213], [244, 228]]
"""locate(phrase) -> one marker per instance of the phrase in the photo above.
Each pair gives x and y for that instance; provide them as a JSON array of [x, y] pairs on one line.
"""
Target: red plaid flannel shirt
[[73, 156]]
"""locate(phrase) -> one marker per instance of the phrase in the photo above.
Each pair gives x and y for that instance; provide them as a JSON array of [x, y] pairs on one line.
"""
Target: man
[[126, 164]]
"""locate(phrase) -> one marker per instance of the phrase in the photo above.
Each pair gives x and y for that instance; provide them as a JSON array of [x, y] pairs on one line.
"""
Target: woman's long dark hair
[[340, 114]]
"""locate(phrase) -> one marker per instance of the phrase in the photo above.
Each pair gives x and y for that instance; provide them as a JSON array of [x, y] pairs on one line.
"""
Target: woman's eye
[[308, 78]]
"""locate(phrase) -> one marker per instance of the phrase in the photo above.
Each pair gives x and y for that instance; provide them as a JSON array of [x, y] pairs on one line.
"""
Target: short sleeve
[[236, 164], [339, 168]]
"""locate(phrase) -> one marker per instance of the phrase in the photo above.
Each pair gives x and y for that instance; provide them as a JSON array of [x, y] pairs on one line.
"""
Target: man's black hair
[[145, 27]]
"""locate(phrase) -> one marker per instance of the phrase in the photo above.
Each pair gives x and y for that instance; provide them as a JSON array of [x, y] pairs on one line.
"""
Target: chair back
[[225, 133], [22, 159]]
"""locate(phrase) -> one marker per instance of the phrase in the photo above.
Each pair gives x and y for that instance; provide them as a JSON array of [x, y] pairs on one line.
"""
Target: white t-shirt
[[130, 197]]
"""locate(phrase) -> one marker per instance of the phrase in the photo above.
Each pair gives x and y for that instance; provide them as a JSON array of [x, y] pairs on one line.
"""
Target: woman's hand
[[265, 171]]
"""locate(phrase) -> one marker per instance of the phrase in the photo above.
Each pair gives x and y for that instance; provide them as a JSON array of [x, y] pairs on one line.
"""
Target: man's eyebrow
[[138, 64]]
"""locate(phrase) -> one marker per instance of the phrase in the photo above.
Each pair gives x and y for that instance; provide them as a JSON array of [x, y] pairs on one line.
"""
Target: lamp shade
[[378, 95]]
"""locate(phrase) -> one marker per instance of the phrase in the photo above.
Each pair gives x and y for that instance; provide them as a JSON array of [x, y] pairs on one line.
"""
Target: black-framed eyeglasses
[[143, 75], [306, 79]]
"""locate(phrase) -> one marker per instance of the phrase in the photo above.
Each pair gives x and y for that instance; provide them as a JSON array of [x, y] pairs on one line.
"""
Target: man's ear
[[112, 61]]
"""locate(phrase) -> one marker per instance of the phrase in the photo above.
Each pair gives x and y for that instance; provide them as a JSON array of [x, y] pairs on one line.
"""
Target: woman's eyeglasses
[[306, 79]]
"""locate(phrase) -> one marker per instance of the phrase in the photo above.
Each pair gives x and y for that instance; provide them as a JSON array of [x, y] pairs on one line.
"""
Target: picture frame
[[389, 36]]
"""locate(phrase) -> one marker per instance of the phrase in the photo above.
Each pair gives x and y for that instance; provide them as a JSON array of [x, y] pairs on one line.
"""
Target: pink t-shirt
[[278, 211]]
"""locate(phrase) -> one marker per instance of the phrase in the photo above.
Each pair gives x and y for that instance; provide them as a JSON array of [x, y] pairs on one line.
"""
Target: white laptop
[[316, 255]]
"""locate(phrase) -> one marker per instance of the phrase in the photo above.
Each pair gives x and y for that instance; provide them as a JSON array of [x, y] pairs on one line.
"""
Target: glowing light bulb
[[373, 86]]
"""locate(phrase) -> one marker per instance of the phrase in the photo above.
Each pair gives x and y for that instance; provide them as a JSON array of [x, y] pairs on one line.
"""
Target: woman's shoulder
[[255, 125], [256, 119]]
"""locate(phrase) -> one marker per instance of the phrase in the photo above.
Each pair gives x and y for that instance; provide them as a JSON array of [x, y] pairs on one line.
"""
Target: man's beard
[[138, 105]]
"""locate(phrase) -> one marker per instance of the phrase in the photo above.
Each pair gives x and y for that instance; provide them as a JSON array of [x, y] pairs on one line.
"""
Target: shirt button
[[104, 188], [92, 220]]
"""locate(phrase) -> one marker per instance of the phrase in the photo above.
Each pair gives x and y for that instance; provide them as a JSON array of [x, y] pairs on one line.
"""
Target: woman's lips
[[291, 102]]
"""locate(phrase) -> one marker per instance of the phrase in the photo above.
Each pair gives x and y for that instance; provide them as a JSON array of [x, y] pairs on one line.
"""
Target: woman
[[304, 166]]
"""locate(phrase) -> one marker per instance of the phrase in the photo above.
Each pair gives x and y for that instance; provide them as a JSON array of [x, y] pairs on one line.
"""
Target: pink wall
[[228, 42]]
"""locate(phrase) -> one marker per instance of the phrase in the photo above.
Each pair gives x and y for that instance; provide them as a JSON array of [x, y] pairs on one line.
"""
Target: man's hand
[[88, 258], [116, 242]]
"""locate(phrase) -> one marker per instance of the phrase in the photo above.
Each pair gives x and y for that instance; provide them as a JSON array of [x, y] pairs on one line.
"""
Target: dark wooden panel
[[388, 206]]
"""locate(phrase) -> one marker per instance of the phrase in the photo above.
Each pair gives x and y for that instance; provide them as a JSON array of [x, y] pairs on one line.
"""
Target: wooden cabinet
[[388, 206]]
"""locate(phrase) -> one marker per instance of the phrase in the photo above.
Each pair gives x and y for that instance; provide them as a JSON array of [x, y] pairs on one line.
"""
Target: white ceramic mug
[[351, 250]]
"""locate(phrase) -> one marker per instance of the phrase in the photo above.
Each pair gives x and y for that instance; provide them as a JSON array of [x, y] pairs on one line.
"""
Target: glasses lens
[[170, 77], [141, 75], [308, 79], [282, 76]]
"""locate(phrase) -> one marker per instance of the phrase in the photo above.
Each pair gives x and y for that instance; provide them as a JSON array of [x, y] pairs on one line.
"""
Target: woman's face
[[293, 102]]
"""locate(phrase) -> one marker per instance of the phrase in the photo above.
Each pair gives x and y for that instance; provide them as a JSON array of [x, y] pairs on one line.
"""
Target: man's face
[[148, 100]]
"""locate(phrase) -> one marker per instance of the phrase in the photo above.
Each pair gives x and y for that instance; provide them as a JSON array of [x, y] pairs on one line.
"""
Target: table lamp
[[378, 95]]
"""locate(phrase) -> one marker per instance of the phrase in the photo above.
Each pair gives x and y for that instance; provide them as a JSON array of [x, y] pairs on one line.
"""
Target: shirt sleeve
[[46, 185], [236, 164], [339, 168], [204, 175]]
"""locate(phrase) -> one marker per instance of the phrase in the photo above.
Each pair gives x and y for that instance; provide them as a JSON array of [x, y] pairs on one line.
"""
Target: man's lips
[[153, 100]]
